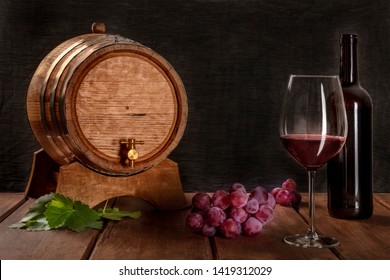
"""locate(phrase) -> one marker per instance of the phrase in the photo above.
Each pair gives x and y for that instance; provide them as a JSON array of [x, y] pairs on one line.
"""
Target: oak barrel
[[98, 97]]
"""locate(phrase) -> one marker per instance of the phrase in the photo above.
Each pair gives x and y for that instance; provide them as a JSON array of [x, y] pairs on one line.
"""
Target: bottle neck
[[349, 60]]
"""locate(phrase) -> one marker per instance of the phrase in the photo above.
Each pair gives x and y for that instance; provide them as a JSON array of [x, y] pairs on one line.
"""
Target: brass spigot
[[132, 153]]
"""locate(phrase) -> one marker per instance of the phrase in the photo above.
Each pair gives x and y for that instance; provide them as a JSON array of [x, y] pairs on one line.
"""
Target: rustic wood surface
[[269, 244], [56, 244], [157, 235], [9, 202], [358, 237], [162, 235]]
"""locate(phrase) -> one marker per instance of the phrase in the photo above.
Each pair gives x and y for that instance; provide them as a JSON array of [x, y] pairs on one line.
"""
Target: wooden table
[[162, 235]]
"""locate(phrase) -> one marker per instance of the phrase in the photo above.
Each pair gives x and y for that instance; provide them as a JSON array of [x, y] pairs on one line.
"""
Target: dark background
[[234, 57]]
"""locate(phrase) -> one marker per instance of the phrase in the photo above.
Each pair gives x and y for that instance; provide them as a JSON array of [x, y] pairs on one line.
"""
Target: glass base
[[301, 240]]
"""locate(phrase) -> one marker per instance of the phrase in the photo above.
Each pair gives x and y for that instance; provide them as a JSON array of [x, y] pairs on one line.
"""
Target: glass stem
[[311, 232]]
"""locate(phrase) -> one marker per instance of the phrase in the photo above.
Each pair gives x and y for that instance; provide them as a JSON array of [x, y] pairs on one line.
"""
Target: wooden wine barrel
[[108, 102]]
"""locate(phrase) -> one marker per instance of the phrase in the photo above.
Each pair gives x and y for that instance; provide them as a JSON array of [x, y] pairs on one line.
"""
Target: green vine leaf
[[54, 211], [116, 214], [58, 211], [39, 224], [34, 219], [83, 217]]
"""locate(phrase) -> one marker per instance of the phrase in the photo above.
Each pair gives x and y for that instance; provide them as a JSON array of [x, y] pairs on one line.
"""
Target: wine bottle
[[350, 173]]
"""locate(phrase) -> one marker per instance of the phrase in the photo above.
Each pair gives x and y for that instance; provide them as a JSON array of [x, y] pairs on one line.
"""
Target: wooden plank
[[359, 239], [269, 243], [156, 235], [9, 202], [55, 244], [382, 198], [162, 235]]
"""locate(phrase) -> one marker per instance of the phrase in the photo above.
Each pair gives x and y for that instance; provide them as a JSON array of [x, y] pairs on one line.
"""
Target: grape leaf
[[83, 217], [116, 214], [54, 211], [35, 218], [38, 224], [33, 225], [63, 212], [58, 210]]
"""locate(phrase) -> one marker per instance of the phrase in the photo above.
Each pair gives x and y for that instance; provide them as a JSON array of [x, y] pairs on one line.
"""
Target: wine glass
[[313, 129]]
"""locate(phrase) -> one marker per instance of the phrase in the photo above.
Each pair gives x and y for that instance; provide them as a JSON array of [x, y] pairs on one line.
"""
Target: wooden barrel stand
[[160, 186]]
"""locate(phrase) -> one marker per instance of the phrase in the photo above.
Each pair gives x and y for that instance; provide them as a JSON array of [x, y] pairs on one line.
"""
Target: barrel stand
[[160, 185]]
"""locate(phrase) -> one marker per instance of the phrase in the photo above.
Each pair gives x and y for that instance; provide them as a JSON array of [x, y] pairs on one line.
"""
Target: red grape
[[264, 215], [220, 199], [230, 228], [238, 214], [215, 216], [260, 193], [275, 191], [283, 198], [289, 185], [251, 226], [238, 199], [194, 222], [295, 198], [208, 230], [237, 187], [201, 202], [271, 201], [252, 205]]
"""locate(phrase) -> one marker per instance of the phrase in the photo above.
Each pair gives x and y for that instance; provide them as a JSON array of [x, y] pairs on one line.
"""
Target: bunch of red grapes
[[234, 212]]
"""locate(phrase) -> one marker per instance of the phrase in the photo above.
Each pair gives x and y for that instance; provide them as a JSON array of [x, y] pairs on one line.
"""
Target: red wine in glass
[[312, 150]]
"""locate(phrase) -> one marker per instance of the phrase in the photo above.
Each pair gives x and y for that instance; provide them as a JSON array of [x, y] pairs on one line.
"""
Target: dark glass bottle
[[350, 173]]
